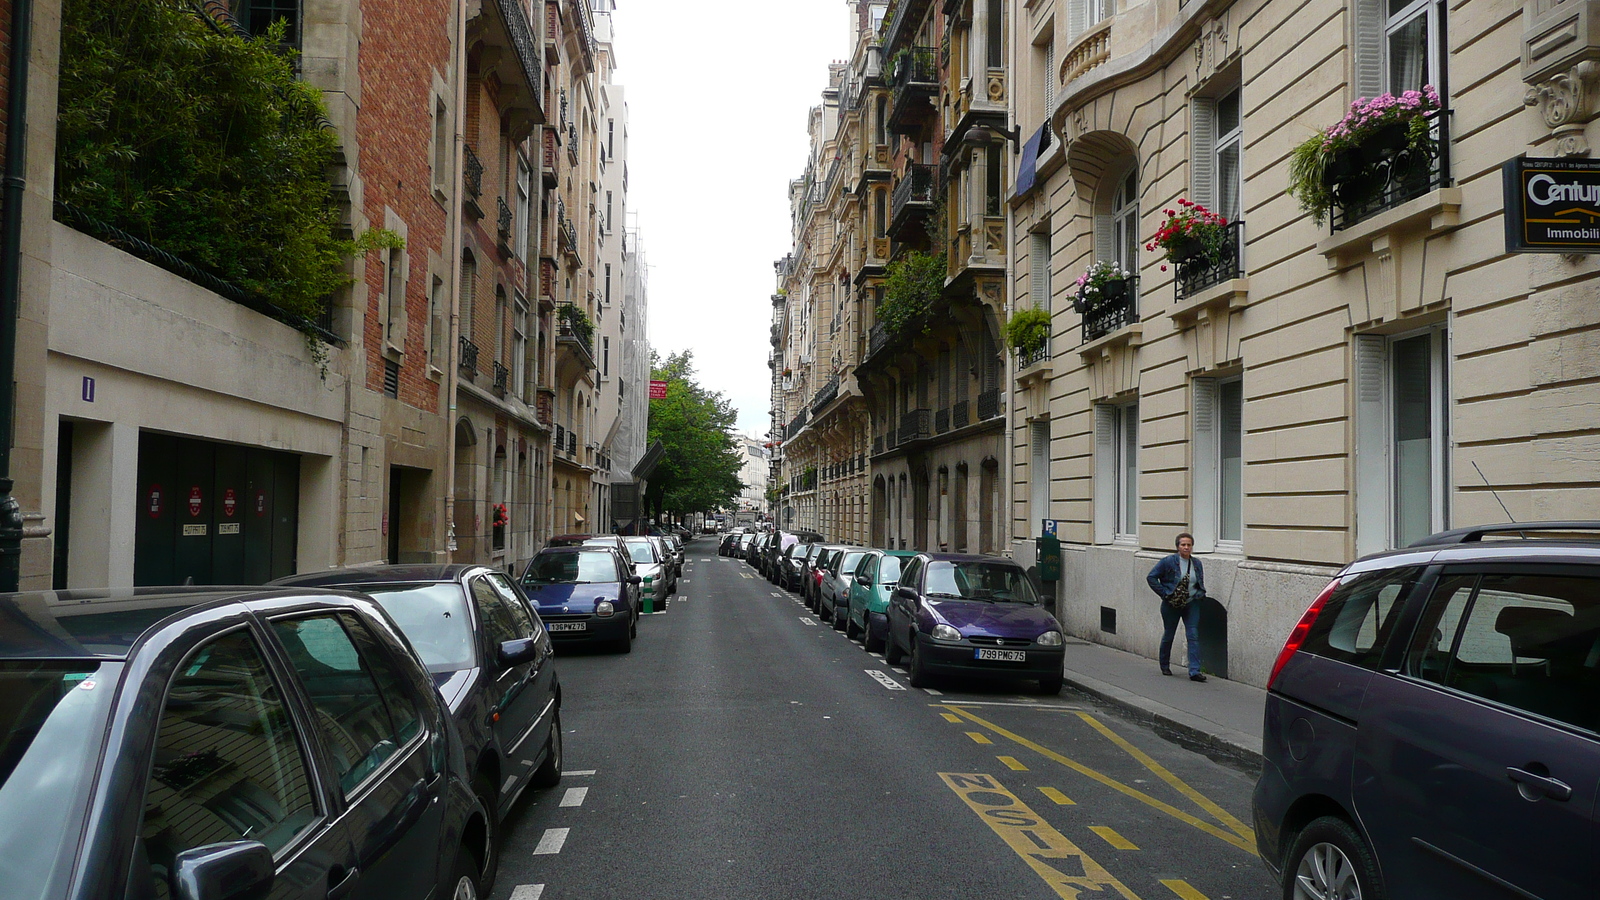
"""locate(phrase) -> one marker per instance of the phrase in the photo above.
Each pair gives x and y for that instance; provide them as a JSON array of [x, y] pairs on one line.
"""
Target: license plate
[[1002, 655], [569, 626]]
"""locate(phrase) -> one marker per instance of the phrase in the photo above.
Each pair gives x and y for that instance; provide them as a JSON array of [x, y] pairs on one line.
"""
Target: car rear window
[[434, 618], [641, 552], [1356, 622]]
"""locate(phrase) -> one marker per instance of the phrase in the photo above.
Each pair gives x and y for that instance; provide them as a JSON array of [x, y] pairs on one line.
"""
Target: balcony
[[472, 174], [1113, 313], [574, 338], [502, 379], [1387, 183], [469, 356], [1027, 359], [547, 282], [941, 421], [912, 88], [913, 199], [560, 442], [503, 225], [548, 158], [914, 426], [988, 404], [877, 445], [1196, 275], [512, 57], [902, 26], [1091, 51], [795, 424], [959, 414], [826, 395]]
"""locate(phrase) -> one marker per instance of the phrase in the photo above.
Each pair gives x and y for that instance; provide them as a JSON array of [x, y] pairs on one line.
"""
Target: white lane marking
[[551, 842], [684, 581], [934, 692], [876, 655], [885, 680], [580, 772], [527, 892], [808, 620], [900, 670], [574, 796], [776, 594]]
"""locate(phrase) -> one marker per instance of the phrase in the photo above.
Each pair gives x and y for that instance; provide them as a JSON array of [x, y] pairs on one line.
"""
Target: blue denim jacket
[[1164, 577]]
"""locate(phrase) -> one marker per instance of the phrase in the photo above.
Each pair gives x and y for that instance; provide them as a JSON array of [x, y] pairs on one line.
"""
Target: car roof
[[969, 557], [381, 574], [103, 623]]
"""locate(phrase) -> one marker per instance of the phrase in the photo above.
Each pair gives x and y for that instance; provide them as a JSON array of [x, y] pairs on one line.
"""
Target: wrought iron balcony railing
[[472, 169], [1200, 273], [504, 221], [941, 421], [797, 423], [914, 425], [959, 414], [1113, 312], [1026, 358], [1384, 179], [915, 80], [502, 378], [469, 356], [568, 332], [913, 192], [825, 395], [989, 404]]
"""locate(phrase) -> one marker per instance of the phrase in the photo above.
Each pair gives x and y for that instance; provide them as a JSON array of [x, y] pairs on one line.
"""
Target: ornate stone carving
[[1211, 48], [1566, 101]]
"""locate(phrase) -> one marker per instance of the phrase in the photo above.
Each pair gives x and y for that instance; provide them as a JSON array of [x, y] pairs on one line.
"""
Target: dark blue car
[[974, 616], [1433, 723], [585, 595]]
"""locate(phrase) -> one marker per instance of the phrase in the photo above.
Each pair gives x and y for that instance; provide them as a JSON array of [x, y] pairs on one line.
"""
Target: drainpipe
[[451, 375], [10, 281]]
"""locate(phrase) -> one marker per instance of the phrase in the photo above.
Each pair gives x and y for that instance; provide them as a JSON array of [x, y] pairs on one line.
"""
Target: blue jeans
[[1191, 632]]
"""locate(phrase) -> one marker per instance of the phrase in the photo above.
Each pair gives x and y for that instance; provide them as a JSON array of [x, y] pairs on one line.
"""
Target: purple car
[[957, 614]]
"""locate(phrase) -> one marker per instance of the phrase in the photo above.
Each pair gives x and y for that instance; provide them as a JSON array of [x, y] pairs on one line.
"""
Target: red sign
[[154, 506], [261, 503], [229, 503], [658, 390], [195, 502]]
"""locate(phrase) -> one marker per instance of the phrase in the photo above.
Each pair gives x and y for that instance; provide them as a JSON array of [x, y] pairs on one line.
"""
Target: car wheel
[[840, 617], [891, 650], [917, 670], [850, 629], [625, 643], [1050, 686], [549, 774], [464, 877], [487, 795], [868, 642], [1330, 861]]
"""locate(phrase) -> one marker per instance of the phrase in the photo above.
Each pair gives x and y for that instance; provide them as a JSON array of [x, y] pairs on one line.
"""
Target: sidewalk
[[1219, 717]]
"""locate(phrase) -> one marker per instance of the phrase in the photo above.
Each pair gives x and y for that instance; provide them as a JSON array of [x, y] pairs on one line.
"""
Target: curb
[[1223, 745]]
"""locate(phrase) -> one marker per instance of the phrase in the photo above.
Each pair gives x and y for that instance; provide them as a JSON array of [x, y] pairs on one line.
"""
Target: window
[[605, 357], [882, 120], [1217, 137], [438, 329], [608, 284], [524, 205], [1039, 260], [1050, 76], [1125, 222], [522, 618], [994, 162], [608, 210], [441, 145], [228, 766], [1083, 15], [880, 218], [394, 297], [1356, 622], [611, 139], [519, 346], [1397, 46], [1402, 438], [1039, 473], [1116, 490], [258, 15], [1525, 640], [1218, 465], [498, 622], [350, 709], [995, 35], [469, 291]]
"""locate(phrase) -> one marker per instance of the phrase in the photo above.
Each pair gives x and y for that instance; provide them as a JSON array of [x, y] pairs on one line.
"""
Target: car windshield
[[434, 619], [52, 720], [641, 552], [587, 567], [994, 582], [799, 551], [889, 570], [851, 560]]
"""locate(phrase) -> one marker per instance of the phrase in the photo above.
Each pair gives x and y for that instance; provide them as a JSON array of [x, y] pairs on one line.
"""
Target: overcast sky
[[717, 97]]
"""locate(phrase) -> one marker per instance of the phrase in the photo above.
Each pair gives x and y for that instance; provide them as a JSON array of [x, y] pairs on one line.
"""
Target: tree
[[700, 459]]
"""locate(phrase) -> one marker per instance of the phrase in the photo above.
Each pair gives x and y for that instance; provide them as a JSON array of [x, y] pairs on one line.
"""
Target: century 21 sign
[[1552, 205]]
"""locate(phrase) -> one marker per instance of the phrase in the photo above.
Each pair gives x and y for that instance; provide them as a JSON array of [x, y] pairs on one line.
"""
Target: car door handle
[[345, 884], [1529, 782]]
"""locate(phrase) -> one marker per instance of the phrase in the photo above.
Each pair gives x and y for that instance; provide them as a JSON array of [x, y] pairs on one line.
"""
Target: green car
[[876, 576]]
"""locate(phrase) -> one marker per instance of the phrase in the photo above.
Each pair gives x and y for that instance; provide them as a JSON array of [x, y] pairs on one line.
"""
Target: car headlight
[[604, 608], [945, 633], [1049, 639]]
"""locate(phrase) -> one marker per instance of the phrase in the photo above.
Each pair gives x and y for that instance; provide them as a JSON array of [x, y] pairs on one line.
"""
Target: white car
[[648, 563]]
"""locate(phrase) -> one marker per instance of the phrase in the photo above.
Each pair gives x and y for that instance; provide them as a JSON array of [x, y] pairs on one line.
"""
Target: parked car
[[793, 560], [833, 594], [728, 541], [753, 553], [875, 579], [741, 550], [493, 662], [669, 559], [585, 595], [1432, 727], [238, 742], [960, 614], [816, 570], [571, 540], [676, 543], [655, 576]]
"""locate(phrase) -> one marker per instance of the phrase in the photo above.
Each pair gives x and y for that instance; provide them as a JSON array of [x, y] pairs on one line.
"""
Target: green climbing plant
[[910, 286]]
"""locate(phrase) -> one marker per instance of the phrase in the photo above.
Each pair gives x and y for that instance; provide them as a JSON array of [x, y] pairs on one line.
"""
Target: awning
[[1027, 169]]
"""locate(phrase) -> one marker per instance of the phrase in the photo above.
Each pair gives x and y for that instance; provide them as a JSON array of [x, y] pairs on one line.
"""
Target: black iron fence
[[469, 356], [914, 425], [1199, 273], [1385, 176], [1118, 306], [988, 404]]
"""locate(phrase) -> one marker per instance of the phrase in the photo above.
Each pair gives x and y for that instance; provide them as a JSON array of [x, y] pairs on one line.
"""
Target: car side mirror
[[518, 651], [635, 579], [233, 870], [906, 594], [864, 580]]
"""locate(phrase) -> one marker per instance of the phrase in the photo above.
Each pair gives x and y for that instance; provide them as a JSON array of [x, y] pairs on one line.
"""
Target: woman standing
[[1180, 581]]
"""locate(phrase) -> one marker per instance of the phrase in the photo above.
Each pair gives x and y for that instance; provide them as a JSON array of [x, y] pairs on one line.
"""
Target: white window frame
[[1083, 15], [1373, 27], [1376, 457], [1206, 465], [1116, 482], [524, 205]]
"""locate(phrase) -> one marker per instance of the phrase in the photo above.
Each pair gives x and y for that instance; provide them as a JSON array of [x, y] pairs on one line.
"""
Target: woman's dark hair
[[1181, 536]]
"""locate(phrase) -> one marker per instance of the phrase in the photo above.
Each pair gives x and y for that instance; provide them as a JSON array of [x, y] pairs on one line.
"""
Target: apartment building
[[172, 425], [1314, 390]]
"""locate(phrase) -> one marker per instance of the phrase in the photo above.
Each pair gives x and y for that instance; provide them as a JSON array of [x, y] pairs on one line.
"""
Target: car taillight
[[1301, 628]]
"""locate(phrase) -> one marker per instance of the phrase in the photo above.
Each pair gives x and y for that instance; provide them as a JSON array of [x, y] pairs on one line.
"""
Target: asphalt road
[[743, 750]]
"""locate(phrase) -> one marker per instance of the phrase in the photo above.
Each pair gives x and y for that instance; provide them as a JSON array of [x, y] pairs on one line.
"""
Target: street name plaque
[[1552, 205]]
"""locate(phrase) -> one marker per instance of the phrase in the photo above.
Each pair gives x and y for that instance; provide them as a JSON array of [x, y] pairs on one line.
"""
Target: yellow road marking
[[1142, 797], [951, 717], [1199, 799], [1033, 839], [1059, 798], [1182, 889], [1012, 763], [979, 738], [1110, 836]]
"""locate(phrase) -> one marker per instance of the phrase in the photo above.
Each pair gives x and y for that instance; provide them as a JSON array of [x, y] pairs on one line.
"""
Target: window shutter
[[1077, 18], [1050, 76], [1039, 474], [1367, 72], [1039, 255], [1204, 465], [1105, 474], [1202, 154], [1105, 238], [1372, 444]]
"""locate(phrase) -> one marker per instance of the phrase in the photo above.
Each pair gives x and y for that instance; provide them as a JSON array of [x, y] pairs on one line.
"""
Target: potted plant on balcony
[[575, 318], [1028, 330], [1103, 285], [1346, 163], [1191, 236]]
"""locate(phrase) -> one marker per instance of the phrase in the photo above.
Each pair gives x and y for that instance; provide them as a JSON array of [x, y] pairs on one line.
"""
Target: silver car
[[649, 565]]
